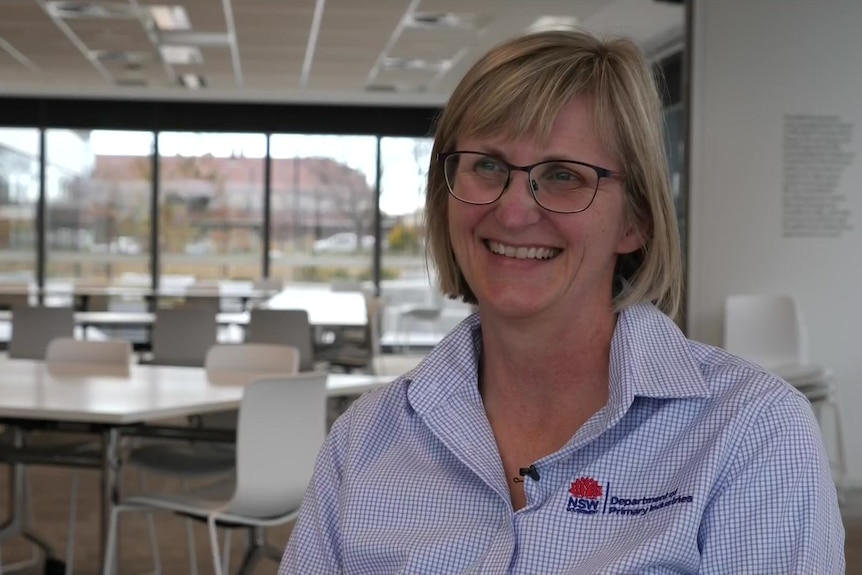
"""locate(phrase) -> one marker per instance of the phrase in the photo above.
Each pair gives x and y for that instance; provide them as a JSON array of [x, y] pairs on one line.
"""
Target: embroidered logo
[[584, 496], [589, 497]]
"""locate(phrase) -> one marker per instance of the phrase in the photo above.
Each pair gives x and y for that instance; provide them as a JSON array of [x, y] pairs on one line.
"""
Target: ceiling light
[[195, 38], [548, 23], [440, 20], [181, 55], [120, 56], [192, 81], [90, 10], [419, 64], [170, 17], [400, 88]]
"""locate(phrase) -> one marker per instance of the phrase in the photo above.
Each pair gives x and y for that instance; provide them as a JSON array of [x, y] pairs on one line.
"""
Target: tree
[[347, 192]]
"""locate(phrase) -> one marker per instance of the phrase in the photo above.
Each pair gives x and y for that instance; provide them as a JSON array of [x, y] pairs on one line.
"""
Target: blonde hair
[[518, 89]]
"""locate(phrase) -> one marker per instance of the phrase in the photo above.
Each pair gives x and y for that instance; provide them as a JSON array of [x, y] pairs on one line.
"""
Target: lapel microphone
[[530, 472]]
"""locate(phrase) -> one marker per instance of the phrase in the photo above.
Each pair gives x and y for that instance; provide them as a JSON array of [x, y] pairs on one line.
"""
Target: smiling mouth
[[522, 252]]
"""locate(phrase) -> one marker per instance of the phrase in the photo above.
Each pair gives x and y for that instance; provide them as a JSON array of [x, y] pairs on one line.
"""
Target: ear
[[633, 238]]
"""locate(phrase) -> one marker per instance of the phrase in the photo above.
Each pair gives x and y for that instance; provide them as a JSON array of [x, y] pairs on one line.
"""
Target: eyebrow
[[494, 151]]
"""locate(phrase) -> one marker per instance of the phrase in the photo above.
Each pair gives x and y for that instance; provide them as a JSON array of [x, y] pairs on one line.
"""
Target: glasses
[[562, 186]]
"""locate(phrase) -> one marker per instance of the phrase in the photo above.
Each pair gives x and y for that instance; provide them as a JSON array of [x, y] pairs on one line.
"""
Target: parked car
[[343, 243]]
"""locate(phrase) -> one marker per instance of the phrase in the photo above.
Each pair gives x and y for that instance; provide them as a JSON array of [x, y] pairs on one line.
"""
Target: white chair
[[268, 490], [88, 356], [409, 315], [359, 347], [17, 295], [203, 294], [284, 327], [225, 364], [33, 328], [183, 336], [769, 329]]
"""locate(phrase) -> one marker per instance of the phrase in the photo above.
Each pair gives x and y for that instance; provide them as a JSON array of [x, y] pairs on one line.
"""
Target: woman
[[569, 426]]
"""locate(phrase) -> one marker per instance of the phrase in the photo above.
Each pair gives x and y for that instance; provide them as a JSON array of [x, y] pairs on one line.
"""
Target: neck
[[536, 370]]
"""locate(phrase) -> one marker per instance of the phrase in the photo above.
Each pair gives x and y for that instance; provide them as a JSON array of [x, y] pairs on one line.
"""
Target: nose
[[517, 207]]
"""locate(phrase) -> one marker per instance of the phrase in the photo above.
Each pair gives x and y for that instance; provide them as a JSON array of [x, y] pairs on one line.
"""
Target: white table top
[[319, 315], [118, 290], [29, 390], [324, 307]]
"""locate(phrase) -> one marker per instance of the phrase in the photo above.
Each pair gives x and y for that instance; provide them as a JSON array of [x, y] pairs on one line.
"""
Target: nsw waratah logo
[[584, 496]]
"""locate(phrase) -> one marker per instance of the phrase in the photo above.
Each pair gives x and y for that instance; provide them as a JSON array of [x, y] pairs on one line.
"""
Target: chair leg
[[190, 539], [151, 528], [109, 566], [214, 547], [839, 440], [225, 558], [154, 544], [73, 520], [193, 555]]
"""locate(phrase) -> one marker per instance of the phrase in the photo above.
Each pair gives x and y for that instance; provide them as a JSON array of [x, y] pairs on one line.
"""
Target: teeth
[[522, 252]]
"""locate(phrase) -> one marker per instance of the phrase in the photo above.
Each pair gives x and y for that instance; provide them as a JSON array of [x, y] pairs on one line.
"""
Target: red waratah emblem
[[586, 488]]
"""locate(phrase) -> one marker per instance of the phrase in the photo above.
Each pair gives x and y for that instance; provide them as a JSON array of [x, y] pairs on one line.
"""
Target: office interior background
[[151, 143]]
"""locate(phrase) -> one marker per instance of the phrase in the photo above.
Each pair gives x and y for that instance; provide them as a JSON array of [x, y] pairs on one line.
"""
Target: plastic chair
[[88, 356], [411, 314], [12, 300], [770, 330], [268, 490], [359, 347], [284, 327], [203, 295], [183, 336], [33, 328], [225, 364]]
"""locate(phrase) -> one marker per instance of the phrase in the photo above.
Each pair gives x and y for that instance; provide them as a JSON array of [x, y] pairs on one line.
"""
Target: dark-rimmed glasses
[[561, 186]]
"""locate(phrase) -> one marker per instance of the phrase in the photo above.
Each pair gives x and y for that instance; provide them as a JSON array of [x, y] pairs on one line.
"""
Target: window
[[97, 198], [19, 195], [210, 206], [323, 207], [416, 315]]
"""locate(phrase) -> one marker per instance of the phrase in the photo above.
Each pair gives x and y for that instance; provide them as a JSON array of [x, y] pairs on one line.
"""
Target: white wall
[[754, 62]]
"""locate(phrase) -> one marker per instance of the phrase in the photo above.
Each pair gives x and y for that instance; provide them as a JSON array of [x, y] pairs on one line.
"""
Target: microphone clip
[[530, 472]]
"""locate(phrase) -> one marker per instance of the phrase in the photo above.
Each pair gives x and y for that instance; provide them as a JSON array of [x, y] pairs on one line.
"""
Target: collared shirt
[[700, 462]]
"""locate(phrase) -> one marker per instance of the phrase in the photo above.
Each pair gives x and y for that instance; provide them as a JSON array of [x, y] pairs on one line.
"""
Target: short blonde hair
[[518, 89]]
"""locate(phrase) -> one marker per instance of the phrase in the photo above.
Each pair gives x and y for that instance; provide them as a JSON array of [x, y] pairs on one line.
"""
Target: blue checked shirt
[[699, 463]]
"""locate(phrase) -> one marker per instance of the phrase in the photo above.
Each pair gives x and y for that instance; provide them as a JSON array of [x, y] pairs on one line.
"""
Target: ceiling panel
[[111, 35], [347, 52]]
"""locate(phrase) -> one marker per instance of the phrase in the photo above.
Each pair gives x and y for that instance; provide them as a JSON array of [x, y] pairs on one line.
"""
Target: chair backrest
[[284, 327], [242, 363], [203, 295], [183, 336], [33, 328], [18, 295], [110, 357], [271, 482], [374, 308], [766, 329]]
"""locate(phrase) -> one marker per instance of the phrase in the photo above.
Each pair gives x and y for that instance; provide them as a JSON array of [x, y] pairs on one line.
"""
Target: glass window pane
[[210, 206], [416, 315], [97, 194], [322, 208], [19, 195]]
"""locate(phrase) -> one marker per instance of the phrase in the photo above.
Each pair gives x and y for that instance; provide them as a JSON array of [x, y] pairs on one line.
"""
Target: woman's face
[[573, 261]]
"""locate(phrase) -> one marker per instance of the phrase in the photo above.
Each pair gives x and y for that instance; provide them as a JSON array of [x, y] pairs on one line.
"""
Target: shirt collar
[[650, 357]]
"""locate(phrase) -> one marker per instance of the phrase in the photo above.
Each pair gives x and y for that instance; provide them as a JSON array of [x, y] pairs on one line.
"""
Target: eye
[[563, 175], [487, 165]]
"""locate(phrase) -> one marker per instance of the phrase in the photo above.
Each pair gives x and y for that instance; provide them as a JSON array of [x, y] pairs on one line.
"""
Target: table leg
[[110, 486], [19, 509]]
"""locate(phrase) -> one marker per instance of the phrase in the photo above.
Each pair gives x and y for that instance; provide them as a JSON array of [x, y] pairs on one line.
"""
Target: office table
[[33, 396]]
